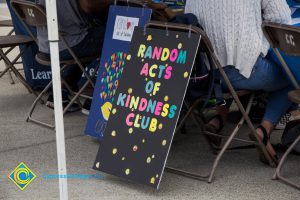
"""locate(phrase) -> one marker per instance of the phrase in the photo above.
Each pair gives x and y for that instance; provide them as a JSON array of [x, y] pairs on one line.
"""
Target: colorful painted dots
[[130, 90], [114, 151], [129, 57], [114, 133], [152, 180], [123, 158], [130, 131], [164, 143], [149, 38], [179, 45], [135, 148], [186, 75], [160, 126], [143, 141], [98, 165], [114, 111], [148, 160], [127, 171], [166, 98]]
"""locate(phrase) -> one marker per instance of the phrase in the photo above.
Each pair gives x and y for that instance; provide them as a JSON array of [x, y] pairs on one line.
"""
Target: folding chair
[[37, 17], [205, 46], [8, 23], [10, 42], [285, 38]]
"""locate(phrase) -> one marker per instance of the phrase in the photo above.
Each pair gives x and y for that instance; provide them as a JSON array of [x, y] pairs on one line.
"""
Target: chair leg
[[240, 106], [78, 94], [11, 78], [16, 72], [32, 108], [278, 175], [87, 76], [229, 140], [210, 176]]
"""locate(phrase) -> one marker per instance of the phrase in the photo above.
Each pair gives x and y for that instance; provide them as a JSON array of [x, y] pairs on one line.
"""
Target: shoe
[[284, 120], [215, 140], [86, 107], [65, 100], [265, 141]]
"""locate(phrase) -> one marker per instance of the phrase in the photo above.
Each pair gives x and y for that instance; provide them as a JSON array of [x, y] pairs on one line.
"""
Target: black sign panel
[[143, 118]]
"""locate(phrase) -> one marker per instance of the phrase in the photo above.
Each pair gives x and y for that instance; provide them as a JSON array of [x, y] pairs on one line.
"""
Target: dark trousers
[[91, 45]]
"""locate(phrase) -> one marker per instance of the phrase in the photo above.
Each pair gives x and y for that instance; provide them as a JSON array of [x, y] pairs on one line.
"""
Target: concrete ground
[[239, 176]]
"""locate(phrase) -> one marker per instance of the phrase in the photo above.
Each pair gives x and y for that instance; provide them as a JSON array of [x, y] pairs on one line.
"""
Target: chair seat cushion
[[14, 40], [294, 96], [6, 23]]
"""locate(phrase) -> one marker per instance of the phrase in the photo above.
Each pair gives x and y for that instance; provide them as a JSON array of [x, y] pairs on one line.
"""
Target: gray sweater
[[234, 27], [72, 25]]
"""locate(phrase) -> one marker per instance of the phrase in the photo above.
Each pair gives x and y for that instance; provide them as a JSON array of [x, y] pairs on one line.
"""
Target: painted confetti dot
[[149, 38], [152, 180], [177, 36], [143, 141], [127, 172], [186, 75], [129, 90], [113, 133], [146, 79], [157, 175], [123, 158], [166, 98], [98, 165], [143, 60], [153, 156], [148, 160], [114, 151], [130, 131], [179, 45], [129, 57], [160, 126], [164, 142], [114, 111], [135, 148]]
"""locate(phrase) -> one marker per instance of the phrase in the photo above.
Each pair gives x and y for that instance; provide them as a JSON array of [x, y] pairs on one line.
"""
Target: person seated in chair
[[293, 62], [234, 27], [81, 23]]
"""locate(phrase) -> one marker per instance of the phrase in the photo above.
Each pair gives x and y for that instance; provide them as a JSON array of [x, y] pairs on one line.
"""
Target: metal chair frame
[[8, 23], [285, 38], [206, 46], [10, 65], [36, 18]]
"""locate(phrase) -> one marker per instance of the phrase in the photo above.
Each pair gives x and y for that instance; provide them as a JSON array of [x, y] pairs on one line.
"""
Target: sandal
[[265, 141], [215, 140]]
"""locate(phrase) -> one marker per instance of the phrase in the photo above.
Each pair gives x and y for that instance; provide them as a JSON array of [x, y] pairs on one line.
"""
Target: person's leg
[[90, 46], [269, 77]]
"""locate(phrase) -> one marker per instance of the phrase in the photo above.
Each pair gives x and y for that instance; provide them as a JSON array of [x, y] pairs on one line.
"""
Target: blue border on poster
[[111, 64]]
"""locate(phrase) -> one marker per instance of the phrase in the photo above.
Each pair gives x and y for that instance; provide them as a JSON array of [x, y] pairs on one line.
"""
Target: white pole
[[58, 110]]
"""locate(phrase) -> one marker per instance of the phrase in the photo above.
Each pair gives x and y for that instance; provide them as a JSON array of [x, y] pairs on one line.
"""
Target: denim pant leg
[[91, 45], [269, 77]]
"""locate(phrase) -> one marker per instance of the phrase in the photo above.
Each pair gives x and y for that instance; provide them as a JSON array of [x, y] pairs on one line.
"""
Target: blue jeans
[[269, 77]]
